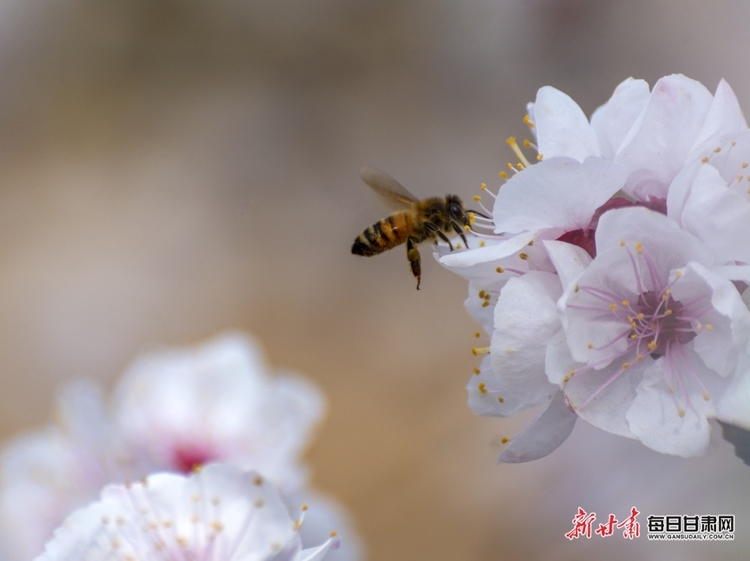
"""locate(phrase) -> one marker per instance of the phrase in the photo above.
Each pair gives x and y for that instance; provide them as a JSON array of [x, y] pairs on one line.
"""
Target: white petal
[[700, 201], [719, 307], [664, 423], [569, 260], [724, 118], [559, 193], [525, 321], [487, 395], [669, 245], [613, 120], [562, 127], [487, 254], [658, 144], [544, 435]]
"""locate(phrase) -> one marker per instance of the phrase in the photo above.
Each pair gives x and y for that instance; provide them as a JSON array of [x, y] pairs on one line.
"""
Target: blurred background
[[174, 168]]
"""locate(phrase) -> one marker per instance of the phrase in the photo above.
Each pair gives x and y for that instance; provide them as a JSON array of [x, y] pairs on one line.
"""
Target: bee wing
[[390, 192]]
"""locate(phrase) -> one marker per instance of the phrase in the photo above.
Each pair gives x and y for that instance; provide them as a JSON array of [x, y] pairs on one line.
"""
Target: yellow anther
[[520, 166], [577, 288], [626, 303], [458, 246], [744, 165], [504, 440], [487, 296], [509, 166], [590, 346], [717, 149], [639, 316], [485, 303], [530, 243], [477, 334], [480, 351], [652, 346], [678, 273], [565, 379], [501, 400], [526, 143], [733, 143], [482, 388], [671, 389], [477, 371], [540, 157], [622, 243], [709, 327], [334, 533], [634, 335], [740, 178], [571, 372], [706, 396], [482, 293], [481, 243], [503, 175], [528, 121], [477, 198], [639, 247], [467, 228], [523, 256], [483, 186], [698, 326], [499, 270], [667, 312], [514, 146], [472, 218], [681, 412], [638, 357], [704, 160], [613, 306], [625, 365]]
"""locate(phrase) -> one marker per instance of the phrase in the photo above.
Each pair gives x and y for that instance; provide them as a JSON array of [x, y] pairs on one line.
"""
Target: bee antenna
[[478, 213]]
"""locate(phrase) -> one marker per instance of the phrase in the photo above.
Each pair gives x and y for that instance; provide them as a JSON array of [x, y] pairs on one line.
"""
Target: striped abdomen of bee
[[385, 234]]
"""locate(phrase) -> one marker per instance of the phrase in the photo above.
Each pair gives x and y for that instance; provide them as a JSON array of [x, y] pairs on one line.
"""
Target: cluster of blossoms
[[612, 272], [214, 442]]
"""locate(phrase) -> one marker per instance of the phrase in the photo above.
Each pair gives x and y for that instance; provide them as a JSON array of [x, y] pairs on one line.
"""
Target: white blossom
[[219, 513], [664, 171]]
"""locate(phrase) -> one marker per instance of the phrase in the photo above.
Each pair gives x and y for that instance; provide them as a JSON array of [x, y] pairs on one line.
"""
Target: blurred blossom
[[220, 513], [174, 410], [610, 272]]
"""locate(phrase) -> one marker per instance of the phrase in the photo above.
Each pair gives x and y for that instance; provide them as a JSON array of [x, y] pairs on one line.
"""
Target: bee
[[413, 222]]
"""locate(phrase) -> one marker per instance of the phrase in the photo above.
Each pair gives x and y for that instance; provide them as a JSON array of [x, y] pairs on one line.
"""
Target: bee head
[[456, 209]]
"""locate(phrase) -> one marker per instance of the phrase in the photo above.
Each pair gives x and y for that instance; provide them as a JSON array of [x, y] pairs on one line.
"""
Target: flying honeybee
[[413, 222]]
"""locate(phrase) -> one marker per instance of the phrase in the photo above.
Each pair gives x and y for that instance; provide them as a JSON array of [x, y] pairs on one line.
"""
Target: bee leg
[[460, 232], [412, 254], [445, 239]]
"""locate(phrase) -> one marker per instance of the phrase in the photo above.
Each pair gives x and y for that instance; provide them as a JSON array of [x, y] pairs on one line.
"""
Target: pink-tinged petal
[[480, 308], [658, 144], [672, 422], [562, 127], [556, 193], [488, 396], [569, 260], [700, 201], [724, 118], [525, 320], [544, 435], [613, 120], [669, 245], [603, 397], [725, 319]]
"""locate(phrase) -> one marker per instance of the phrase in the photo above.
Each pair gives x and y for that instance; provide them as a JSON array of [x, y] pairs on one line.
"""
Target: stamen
[[514, 146]]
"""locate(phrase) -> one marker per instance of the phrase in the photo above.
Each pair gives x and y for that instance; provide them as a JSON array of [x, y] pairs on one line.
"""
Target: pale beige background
[[172, 168]]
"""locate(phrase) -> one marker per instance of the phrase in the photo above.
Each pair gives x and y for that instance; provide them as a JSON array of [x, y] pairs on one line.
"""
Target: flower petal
[[658, 144], [562, 127], [613, 120], [544, 435], [559, 193]]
